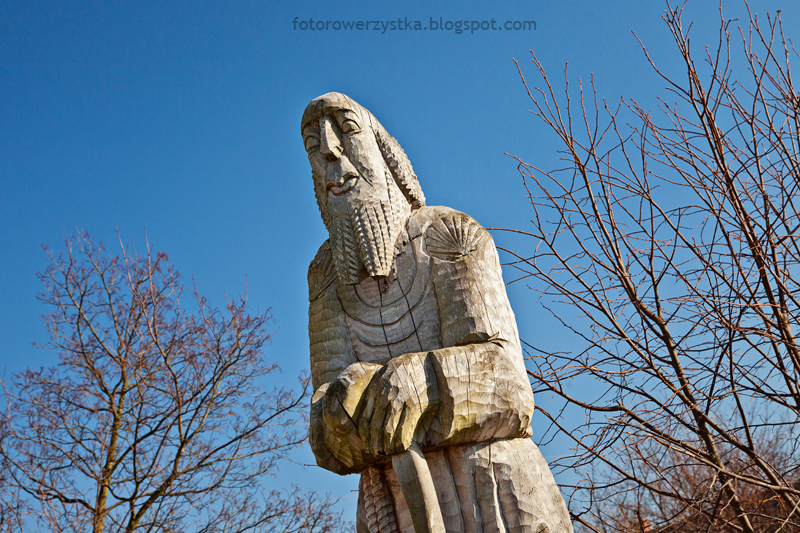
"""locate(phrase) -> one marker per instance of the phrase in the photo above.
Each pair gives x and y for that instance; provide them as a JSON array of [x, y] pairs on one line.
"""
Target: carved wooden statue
[[418, 376]]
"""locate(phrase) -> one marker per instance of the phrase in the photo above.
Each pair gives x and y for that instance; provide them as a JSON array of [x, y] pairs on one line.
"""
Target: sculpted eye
[[312, 144], [350, 126]]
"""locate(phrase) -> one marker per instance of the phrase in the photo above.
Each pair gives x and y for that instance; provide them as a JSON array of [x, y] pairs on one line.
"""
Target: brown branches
[[673, 247], [157, 417]]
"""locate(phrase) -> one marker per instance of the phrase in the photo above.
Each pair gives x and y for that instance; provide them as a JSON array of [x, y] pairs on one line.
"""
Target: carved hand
[[340, 410], [344, 394], [395, 401]]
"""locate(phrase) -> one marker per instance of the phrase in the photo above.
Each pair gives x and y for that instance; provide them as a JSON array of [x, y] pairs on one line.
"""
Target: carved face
[[363, 208]]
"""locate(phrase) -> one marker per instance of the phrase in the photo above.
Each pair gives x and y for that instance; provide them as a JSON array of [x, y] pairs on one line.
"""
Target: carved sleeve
[[331, 351], [483, 388]]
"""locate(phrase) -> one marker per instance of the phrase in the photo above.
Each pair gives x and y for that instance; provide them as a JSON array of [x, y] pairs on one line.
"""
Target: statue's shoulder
[[450, 235], [321, 272]]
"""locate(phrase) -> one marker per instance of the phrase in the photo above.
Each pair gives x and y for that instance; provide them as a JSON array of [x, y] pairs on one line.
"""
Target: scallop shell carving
[[453, 237]]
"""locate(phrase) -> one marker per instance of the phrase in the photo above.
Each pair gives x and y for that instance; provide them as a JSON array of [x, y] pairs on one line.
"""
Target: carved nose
[[329, 143]]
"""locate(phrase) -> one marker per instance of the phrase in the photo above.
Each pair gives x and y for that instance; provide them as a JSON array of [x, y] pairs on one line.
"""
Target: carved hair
[[322, 199], [398, 163]]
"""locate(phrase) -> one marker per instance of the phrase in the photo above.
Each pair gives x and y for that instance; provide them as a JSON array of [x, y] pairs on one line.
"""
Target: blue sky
[[182, 119]]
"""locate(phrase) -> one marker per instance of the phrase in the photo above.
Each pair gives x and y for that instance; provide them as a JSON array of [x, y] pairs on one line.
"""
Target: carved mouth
[[338, 190]]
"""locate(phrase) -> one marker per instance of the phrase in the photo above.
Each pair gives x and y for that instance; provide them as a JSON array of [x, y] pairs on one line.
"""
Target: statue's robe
[[447, 303]]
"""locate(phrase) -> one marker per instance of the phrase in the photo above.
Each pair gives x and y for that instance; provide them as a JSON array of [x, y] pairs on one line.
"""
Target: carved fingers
[[340, 411], [343, 397], [395, 401], [371, 410]]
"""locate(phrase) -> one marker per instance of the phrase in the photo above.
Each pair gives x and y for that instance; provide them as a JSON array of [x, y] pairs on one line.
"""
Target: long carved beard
[[365, 233]]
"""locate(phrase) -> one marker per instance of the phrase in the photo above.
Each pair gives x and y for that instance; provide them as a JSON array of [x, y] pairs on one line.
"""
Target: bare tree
[[157, 416], [669, 249]]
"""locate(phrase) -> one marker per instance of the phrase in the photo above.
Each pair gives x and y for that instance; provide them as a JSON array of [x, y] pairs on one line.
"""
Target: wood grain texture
[[417, 487], [414, 346], [468, 381]]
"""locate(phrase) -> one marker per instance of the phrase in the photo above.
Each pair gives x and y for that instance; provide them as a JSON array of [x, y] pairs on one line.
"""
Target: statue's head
[[364, 183]]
